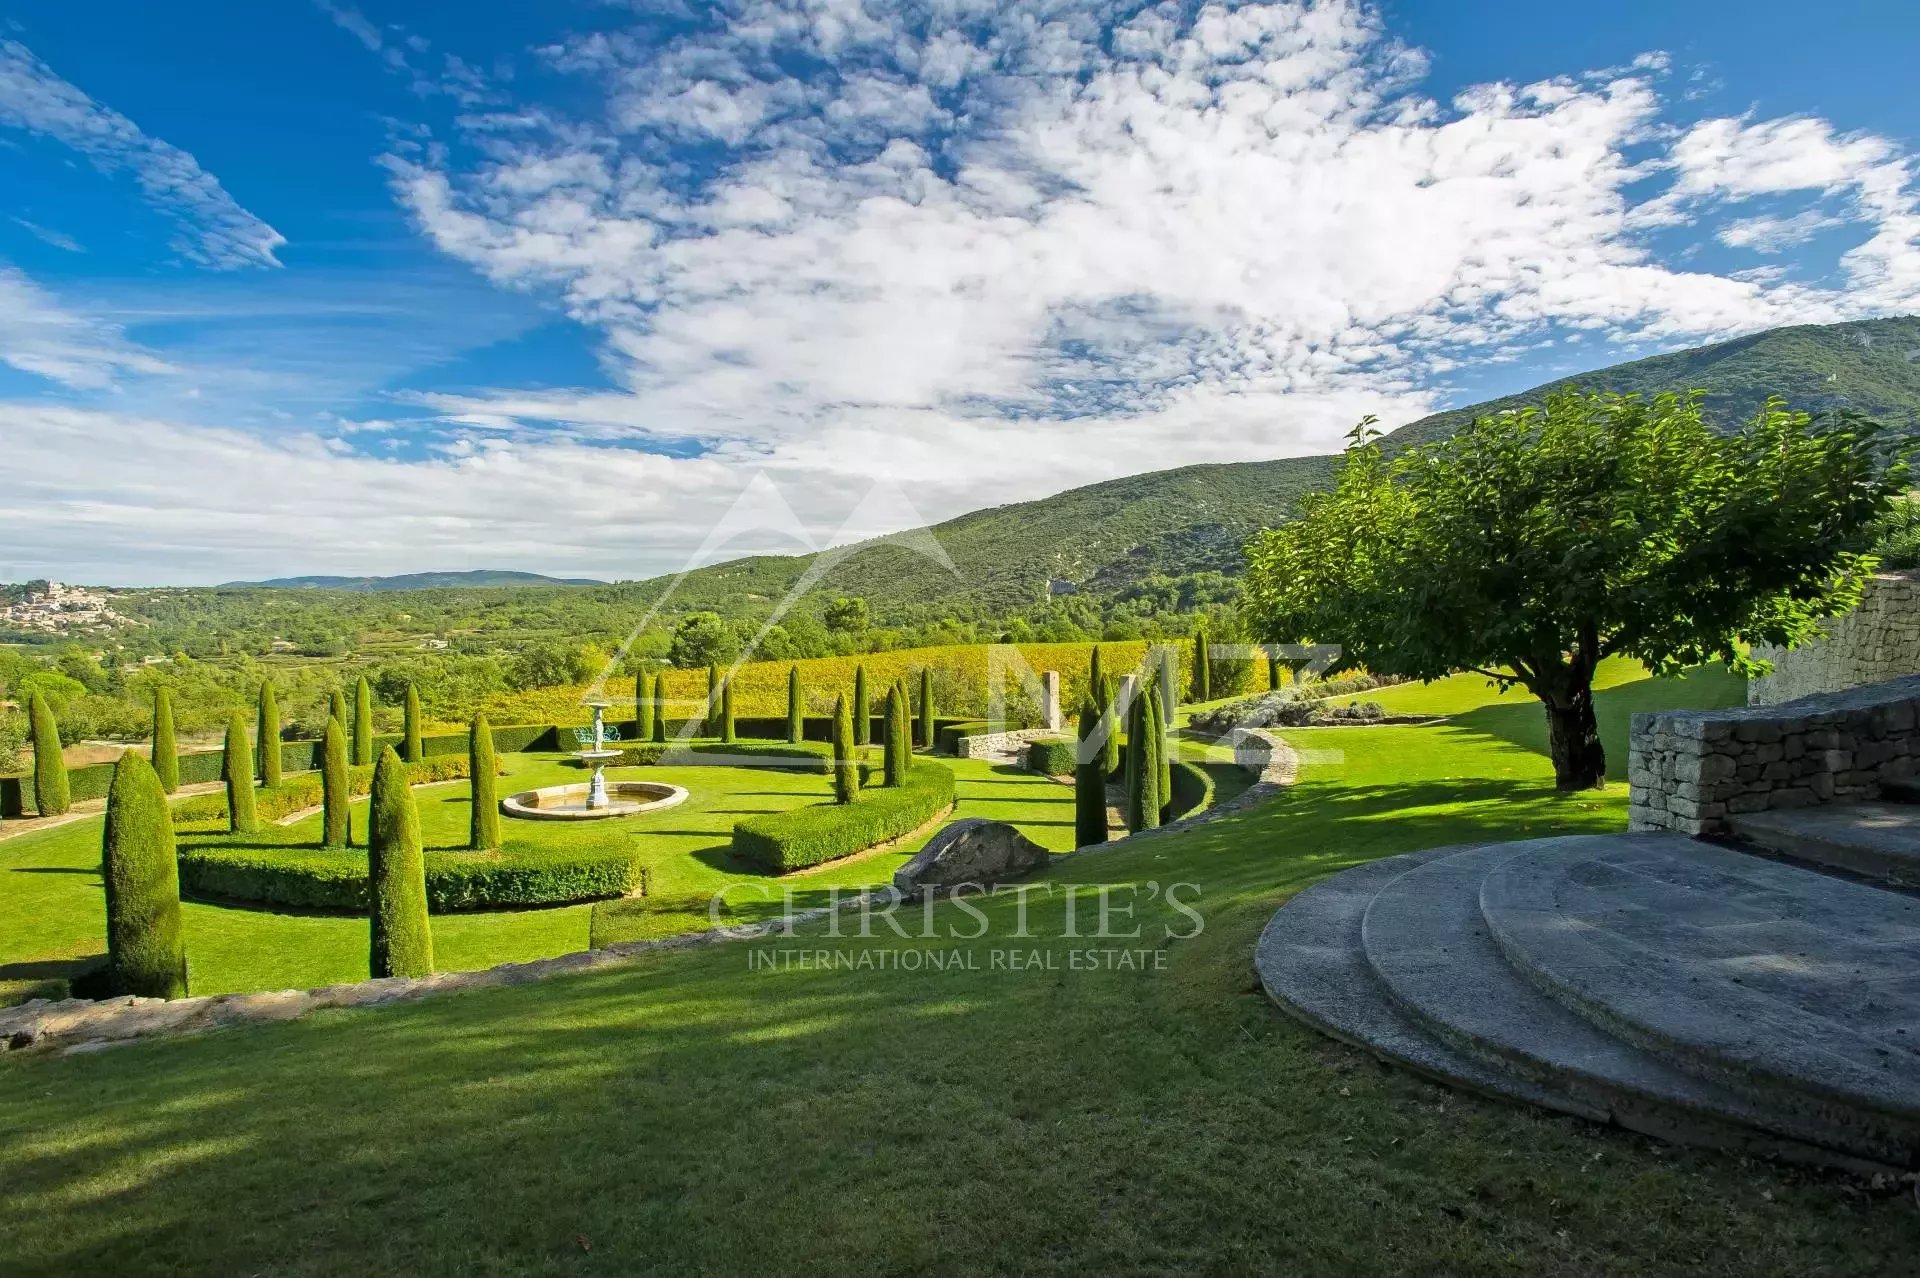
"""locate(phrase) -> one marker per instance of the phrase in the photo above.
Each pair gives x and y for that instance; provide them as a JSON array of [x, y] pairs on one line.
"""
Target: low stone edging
[[84, 1025]]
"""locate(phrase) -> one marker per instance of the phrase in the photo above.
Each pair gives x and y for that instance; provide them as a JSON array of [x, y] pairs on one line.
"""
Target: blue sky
[[599, 288]]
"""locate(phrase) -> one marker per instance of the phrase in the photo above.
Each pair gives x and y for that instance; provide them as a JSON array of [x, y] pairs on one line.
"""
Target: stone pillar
[[1050, 700]]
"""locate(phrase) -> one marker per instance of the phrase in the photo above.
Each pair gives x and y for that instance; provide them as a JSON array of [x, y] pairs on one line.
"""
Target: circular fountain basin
[[569, 802]]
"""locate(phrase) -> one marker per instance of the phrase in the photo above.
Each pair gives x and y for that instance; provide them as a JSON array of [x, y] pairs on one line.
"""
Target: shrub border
[[800, 838]]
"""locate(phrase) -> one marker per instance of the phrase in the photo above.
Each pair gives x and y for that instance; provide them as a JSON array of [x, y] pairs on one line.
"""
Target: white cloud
[[39, 336], [1776, 234], [214, 229], [47, 235]]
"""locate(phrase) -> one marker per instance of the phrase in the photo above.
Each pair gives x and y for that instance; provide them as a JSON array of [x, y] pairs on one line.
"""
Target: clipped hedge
[[1192, 789], [1052, 756], [806, 757], [948, 737], [821, 832], [310, 878]]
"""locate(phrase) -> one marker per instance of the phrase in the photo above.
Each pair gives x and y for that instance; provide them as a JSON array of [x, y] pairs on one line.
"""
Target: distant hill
[[1106, 536], [419, 581]]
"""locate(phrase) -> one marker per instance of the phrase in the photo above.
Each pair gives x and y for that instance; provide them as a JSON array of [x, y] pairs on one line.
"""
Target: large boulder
[[971, 851]]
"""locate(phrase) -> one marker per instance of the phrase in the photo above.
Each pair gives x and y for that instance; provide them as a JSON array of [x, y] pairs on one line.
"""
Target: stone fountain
[[596, 800]]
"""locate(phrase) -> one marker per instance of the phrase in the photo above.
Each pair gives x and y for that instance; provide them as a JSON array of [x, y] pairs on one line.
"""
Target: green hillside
[[1106, 536], [418, 581]]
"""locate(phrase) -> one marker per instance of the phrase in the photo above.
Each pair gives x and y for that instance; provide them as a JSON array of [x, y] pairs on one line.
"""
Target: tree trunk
[[1573, 739]]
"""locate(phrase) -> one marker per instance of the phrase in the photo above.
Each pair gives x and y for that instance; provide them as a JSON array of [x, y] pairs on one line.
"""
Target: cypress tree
[[862, 708], [1162, 754], [713, 700], [660, 707], [415, 751], [50, 794], [236, 769], [1202, 667], [1169, 676], [926, 708], [266, 736], [1095, 673], [903, 728], [642, 707], [362, 724], [1089, 780], [145, 952], [166, 750], [336, 823], [1109, 748], [484, 830], [728, 733], [890, 738], [1136, 746], [796, 723], [846, 768], [337, 708], [400, 941]]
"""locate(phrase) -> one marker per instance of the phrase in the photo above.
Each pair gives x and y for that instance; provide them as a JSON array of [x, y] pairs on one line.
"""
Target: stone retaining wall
[[1691, 769], [988, 744], [1877, 641]]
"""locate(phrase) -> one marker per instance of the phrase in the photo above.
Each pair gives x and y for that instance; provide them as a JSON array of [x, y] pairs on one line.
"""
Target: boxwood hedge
[[801, 837], [1052, 756], [1192, 789], [310, 878]]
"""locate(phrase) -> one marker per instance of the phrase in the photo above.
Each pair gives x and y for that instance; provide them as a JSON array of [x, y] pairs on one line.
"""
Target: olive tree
[[1534, 544]]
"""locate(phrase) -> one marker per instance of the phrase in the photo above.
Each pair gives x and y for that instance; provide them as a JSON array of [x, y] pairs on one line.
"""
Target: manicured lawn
[[696, 1113], [52, 918]]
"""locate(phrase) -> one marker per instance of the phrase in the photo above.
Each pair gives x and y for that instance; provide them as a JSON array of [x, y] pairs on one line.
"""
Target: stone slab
[[1765, 976], [1878, 840]]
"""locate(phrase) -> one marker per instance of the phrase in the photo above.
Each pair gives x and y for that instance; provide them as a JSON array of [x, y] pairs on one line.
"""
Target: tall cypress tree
[[400, 942], [1136, 746], [1169, 677], [660, 707], [796, 722], [846, 767], [1096, 671], [728, 732], [713, 700], [1143, 763], [890, 739], [51, 796], [903, 728], [1162, 755], [1089, 780], [145, 952], [336, 822], [482, 765], [362, 724], [236, 769], [1202, 666], [862, 708], [415, 751], [166, 748], [1110, 719], [337, 708], [926, 707], [266, 736], [643, 707]]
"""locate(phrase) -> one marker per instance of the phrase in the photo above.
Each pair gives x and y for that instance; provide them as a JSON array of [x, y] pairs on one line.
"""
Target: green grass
[[52, 916], [693, 1113]]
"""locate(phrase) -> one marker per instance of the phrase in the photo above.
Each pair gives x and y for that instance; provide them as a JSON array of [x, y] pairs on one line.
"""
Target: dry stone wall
[[1877, 641], [1691, 769]]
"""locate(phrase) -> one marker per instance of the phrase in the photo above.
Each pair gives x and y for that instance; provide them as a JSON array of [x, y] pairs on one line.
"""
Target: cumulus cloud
[[214, 230]]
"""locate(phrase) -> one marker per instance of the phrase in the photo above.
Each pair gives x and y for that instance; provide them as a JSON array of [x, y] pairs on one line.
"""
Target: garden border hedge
[[822, 832]]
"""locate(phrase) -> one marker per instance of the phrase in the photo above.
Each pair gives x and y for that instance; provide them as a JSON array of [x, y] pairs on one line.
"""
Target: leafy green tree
[[266, 736], [482, 767], [362, 724], [1089, 781], [1530, 546], [236, 769], [846, 766], [862, 707], [702, 639], [728, 732], [400, 940], [336, 822], [796, 718], [660, 708], [166, 747], [415, 751], [846, 616], [643, 707], [926, 708], [51, 796], [145, 953]]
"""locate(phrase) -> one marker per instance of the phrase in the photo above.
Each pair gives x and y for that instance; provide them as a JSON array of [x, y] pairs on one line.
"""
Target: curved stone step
[[1875, 840], [1785, 984], [1311, 962], [1430, 950]]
